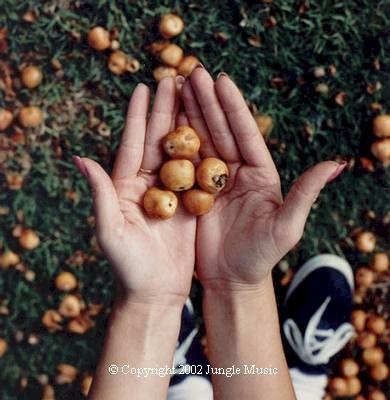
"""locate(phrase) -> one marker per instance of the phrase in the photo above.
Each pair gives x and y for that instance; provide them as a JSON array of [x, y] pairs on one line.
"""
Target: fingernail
[[337, 172], [180, 79], [79, 163], [199, 65], [222, 74]]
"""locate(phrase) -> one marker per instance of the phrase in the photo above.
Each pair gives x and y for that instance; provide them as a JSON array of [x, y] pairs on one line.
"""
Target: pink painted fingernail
[[222, 74], [337, 172], [79, 163]]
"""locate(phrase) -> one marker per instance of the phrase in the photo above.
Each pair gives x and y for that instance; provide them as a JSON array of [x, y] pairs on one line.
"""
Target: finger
[[248, 138], [178, 102], [109, 219], [299, 201], [159, 123], [129, 156], [195, 117], [215, 118]]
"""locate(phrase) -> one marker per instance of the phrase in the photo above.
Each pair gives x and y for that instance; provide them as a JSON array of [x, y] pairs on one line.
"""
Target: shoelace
[[317, 346]]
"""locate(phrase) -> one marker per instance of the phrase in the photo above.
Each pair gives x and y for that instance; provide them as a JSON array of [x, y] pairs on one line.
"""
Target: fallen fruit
[[364, 277], [162, 72], [380, 262], [86, 384], [358, 319], [170, 26], [365, 242], [264, 124], [376, 394], [99, 38], [197, 202], [48, 393], [212, 174], [171, 55], [372, 356], [6, 119], [118, 62], [349, 367], [187, 65], [31, 76], [3, 347], [178, 175], [66, 373], [181, 143], [354, 386], [70, 306], [52, 319], [9, 259], [80, 325], [366, 340], [160, 203], [29, 239], [30, 116], [379, 372], [376, 324], [381, 125], [338, 386], [65, 281]]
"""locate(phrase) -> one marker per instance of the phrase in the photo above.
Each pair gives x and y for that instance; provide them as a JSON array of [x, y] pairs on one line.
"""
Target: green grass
[[349, 34]]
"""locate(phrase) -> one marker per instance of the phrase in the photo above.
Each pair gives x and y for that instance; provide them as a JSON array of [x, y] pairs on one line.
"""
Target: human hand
[[251, 227], [153, 260]]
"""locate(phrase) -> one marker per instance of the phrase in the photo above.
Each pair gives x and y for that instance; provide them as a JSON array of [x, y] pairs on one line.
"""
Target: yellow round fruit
[[31, 76], [170, 25]]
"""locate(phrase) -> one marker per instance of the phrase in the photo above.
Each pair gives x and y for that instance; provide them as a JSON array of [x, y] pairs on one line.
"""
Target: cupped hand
[[153, 260], [251, 226]]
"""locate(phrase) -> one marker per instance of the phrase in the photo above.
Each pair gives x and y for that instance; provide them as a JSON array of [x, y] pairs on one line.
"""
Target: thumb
[[301, 197], [105, 200]]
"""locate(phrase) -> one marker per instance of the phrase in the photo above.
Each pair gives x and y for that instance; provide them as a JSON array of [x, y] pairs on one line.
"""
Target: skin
[[248, 230]]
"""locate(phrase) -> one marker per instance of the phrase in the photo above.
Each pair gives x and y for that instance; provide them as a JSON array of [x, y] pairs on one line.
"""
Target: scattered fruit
[[31, 76], [66, 281], [171, 55], [381, 125], [187, 65], [6, 119], [366, 340], [70, 306], [376, 394], [381, 150], [29, 239], [3, 347], [338, 386], [162, 72], [66, 373], [117, 62], [380, 262], [349, 367], [354, 386], [358, 320], [181, 143], [160, 203], [365, 242], [48, 393], [364, 277], [379, 372], [9, 259], [264, 124], [170, 26], [52, 319], [376, 324], [99, 38], [197, 202], [178, 175], [212, 174], [80, 325], [86, 384], [372, 356], [30, 116]]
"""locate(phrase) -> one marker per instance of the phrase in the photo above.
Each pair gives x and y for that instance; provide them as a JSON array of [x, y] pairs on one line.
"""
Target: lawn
[[270, 48]]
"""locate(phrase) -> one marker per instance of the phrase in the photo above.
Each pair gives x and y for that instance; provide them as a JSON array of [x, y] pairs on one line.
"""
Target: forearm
[[138, 336], [243, 330]]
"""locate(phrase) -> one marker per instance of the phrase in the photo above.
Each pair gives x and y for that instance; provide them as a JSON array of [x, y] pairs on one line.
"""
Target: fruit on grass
[[354, 386], [366, 340], [181, 143], [162, 72], [65, 281], [380, 262], [3, 347], [6, 119], [9, 259], [212, 174], [379, 372], [358, 319], [372, 356], [349, 367], [29, 239], [30, 116], [80, 325], [376, 324], [31, 76], [187, 65], [52, 319], [171, 55], [86, 384], [364, 277], [178, 175], [338, 386], [99, 38], [160, 203], [381, 125], [365, 241], [119, 63], [70, 306], [170, 25], [66, 373], [381, 150], [197, 202], [264, 124], [376, 394]]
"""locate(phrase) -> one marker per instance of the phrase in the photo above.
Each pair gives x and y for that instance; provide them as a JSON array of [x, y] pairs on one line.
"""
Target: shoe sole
[[322, 260]]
